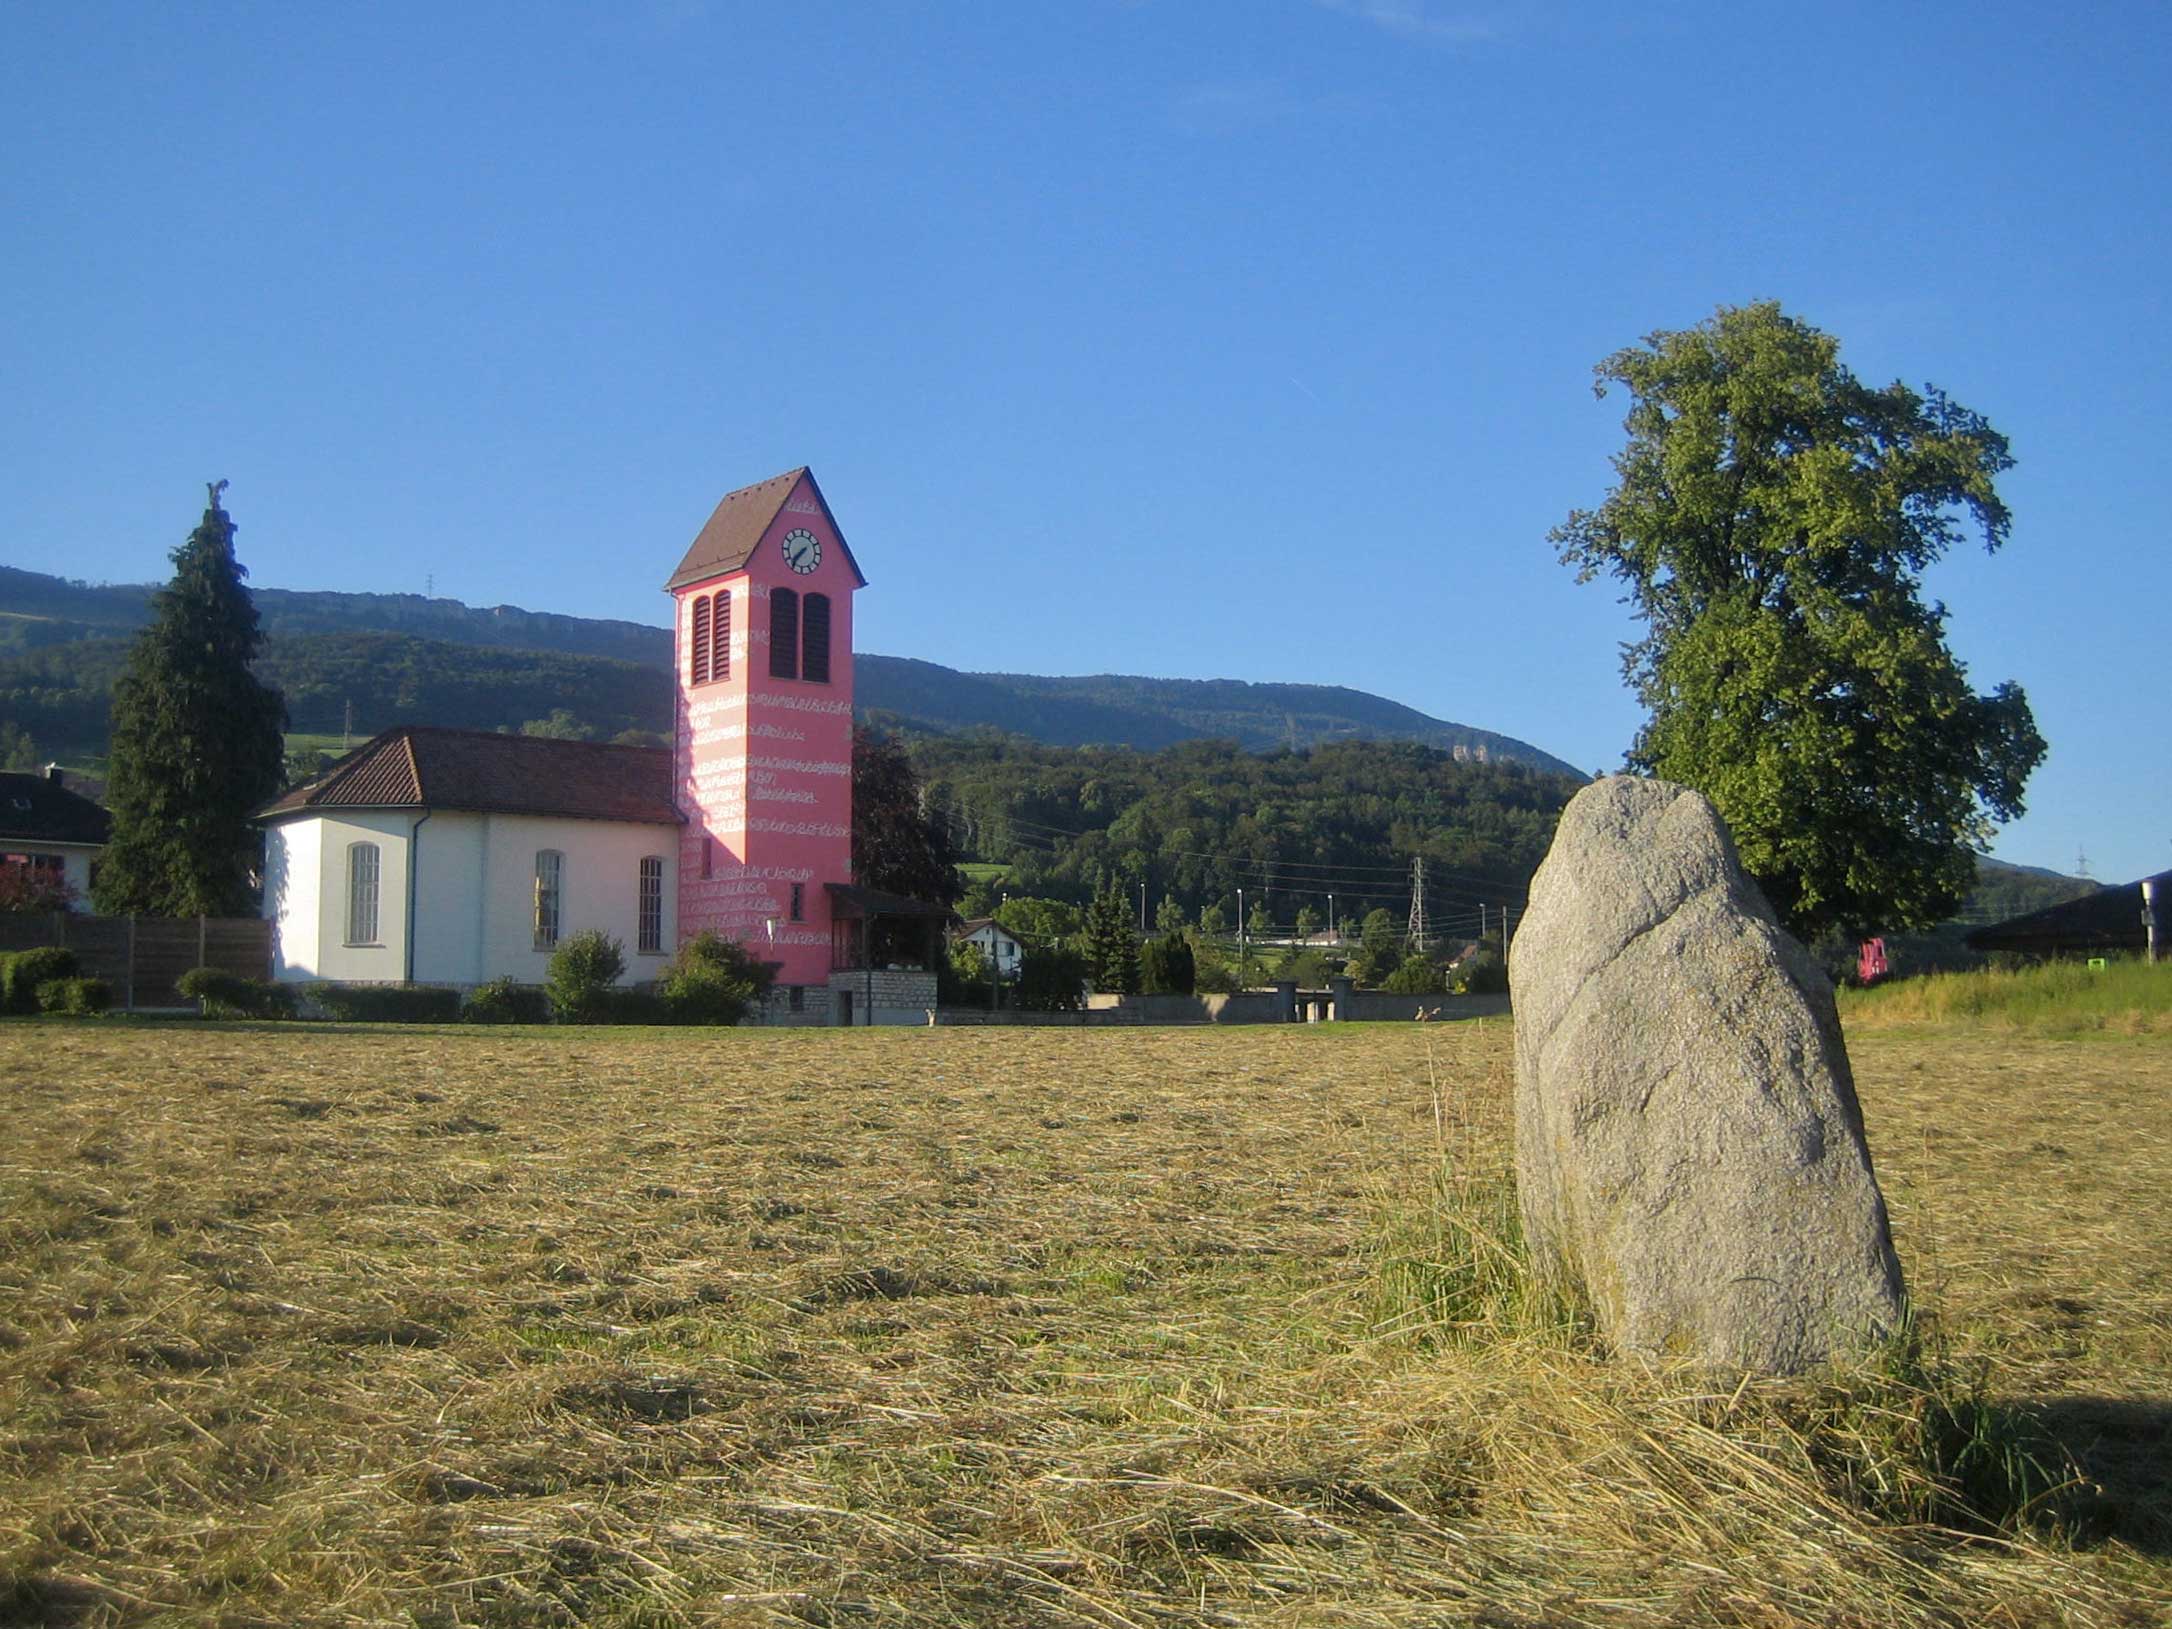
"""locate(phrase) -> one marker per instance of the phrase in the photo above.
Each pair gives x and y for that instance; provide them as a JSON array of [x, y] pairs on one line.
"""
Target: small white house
[[455, 857], [1004, 953], [50, 832]]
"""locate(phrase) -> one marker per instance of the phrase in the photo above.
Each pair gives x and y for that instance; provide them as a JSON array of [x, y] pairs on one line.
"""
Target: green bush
[[637, 1004], [700, 993], [582, 969], [505, 1001], [1167, 966], [79, 997], [229, 995], [1417, 976], [387, 1003], [1052, 981], [1484, 974], [713, 981], [28, 969]]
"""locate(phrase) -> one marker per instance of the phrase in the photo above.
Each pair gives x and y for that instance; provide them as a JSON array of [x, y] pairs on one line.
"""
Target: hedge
[[79, 997], [505, 1001], [229, 995], [387, 1003]]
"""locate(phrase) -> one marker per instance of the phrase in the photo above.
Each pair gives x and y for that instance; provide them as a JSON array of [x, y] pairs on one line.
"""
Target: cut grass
[[347, 1326]]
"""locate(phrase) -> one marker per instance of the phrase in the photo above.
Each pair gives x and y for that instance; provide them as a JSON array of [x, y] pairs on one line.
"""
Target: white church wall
[[600, 883], [293, 887], [449, 899], [382, 958]]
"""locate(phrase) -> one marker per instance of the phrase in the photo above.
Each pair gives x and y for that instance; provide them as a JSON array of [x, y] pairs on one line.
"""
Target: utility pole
[[1414, 935], [1240, 928], [2149, 916], [1331, 939], [1142, 909]]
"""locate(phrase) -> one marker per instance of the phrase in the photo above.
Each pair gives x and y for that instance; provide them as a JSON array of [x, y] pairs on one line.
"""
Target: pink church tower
[[762, 749]]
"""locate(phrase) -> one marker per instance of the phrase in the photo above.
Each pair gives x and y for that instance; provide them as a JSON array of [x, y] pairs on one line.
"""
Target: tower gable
[[754, 515]]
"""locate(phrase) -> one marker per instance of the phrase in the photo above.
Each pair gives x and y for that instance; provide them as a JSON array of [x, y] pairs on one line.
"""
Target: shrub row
[[229, 995], [711, 981], [387, 1003], [48, 979]]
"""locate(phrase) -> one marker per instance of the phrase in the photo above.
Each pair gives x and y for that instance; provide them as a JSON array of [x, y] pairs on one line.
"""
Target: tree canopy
[[1771, 522], [896, 846], [196, 742]]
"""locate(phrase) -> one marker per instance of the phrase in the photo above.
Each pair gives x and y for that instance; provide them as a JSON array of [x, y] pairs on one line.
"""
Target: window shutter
[[815, 639], [783, 634], [720, 664], [700, 640]]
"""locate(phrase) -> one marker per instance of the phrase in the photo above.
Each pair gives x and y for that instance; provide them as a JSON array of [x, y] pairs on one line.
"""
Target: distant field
[[330, 1325]]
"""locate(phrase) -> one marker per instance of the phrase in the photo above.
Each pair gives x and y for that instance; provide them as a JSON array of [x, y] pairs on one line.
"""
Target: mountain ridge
[[39, 612]]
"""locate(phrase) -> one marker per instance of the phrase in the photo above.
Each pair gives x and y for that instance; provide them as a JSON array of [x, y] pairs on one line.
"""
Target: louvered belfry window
[[720, 653], [783, 634], [814, 640], [700, 640]]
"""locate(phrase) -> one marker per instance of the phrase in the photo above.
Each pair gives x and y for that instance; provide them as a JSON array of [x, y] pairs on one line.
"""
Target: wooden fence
[[143, 956]]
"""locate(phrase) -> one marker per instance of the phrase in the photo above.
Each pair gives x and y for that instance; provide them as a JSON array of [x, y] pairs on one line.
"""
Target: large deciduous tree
[[897, 845], [196, 744], [1771, 522]]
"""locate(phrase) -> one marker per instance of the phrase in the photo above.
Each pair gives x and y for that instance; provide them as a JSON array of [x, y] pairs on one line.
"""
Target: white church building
[[454, 857]]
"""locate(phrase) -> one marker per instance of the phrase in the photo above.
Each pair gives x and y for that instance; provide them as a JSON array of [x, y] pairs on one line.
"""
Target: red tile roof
[[421, 767], [736, 526]]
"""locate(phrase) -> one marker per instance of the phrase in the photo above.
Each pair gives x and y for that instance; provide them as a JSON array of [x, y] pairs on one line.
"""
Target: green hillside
[[396, 657]]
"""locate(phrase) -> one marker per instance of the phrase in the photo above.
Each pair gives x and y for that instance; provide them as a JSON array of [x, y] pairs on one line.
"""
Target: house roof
[[2108, 920], [966, 930], [422, 767], [849, 900], [36, 809], [738, 523]]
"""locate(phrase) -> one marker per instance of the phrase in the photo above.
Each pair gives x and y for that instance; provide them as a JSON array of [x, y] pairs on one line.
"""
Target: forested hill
[[401, 658]]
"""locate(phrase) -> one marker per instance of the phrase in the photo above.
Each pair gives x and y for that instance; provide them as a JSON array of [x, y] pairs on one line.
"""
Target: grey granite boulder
[[1688, 1144]]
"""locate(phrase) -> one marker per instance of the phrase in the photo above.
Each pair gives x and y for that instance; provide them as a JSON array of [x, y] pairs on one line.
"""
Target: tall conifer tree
[[196, 742]]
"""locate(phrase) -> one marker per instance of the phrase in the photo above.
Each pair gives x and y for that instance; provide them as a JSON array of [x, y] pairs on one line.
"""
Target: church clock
[[802, 550]]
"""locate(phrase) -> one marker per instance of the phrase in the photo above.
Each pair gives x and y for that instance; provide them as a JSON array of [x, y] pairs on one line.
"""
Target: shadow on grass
[[2122, 1446]]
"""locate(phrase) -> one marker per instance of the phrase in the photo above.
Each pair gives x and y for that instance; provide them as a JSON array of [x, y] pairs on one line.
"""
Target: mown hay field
[[346, 1325]]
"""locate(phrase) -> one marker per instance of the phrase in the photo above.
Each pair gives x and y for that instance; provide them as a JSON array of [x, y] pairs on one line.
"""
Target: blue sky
[[1192, 339]]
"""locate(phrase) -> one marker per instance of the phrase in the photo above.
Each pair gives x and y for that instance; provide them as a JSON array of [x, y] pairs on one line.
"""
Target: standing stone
[[1688, 1144]]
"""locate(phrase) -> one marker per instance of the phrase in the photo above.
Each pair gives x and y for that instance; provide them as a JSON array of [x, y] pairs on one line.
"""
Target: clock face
[[802, 550]]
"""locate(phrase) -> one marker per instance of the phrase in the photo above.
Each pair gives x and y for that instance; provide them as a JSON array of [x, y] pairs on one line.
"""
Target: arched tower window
[[700, 641], [783, 633], [815, 639], [720, 649]]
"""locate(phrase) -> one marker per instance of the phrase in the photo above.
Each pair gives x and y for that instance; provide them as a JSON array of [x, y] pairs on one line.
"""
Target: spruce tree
[[197, 742], [1112, 950]]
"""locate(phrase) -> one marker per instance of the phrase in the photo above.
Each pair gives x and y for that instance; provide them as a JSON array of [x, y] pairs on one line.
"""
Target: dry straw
[[969, 1327]]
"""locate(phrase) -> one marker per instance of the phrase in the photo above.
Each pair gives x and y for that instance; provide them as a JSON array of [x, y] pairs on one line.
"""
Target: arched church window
[[362, 871], [720, 647], [651, 930], [550, 876], [700, 641]]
